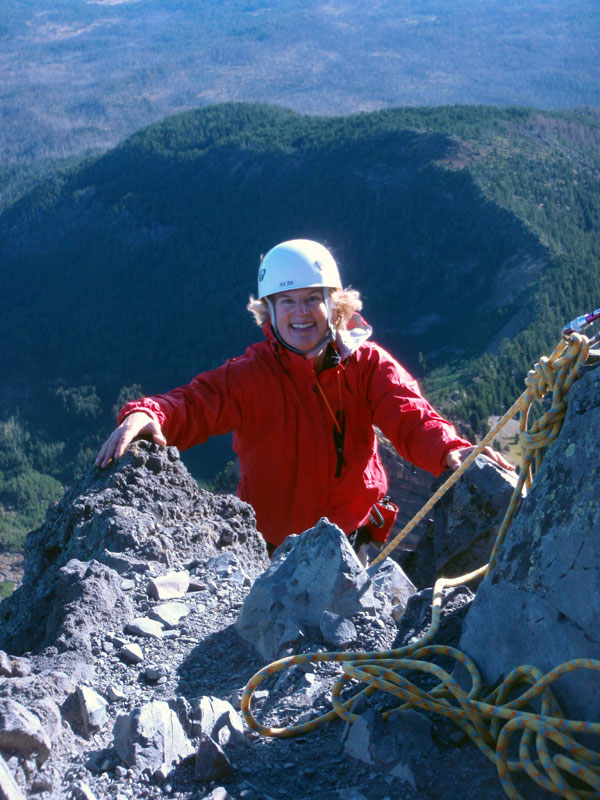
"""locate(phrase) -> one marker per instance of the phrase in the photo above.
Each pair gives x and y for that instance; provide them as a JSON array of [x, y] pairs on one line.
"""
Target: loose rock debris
[[123, 665]]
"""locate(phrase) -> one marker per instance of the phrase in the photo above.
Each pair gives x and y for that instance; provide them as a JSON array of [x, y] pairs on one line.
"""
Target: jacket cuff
[[147, 406]]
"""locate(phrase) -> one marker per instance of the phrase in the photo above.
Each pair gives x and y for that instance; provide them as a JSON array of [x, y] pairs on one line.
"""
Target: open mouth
[[297, 326]]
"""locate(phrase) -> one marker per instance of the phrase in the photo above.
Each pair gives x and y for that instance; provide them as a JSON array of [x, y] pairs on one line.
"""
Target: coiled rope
[[492, 720]]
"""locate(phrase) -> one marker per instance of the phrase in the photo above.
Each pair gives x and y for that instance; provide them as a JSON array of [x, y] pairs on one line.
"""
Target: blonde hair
[[344, 303]]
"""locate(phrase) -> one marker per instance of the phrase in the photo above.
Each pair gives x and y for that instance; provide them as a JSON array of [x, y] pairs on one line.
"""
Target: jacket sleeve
[[209, 405], [417, 431]]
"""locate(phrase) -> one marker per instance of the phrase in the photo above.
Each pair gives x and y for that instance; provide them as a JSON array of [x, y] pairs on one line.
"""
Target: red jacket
[[283, 430]]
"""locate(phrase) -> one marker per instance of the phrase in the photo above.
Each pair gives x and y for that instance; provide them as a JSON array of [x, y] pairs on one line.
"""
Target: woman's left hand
[[455, 457]]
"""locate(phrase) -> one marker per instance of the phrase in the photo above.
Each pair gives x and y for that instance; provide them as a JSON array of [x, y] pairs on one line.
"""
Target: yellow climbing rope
[[524, 703]]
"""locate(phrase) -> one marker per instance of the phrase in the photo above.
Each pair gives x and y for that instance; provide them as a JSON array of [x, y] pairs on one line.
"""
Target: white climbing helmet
[[297, 264]]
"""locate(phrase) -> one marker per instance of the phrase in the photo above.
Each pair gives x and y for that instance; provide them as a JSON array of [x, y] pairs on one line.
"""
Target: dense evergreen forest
[[471, 231]]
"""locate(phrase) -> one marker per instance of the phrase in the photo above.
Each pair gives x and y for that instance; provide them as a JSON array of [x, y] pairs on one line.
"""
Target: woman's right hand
[[133, 425]]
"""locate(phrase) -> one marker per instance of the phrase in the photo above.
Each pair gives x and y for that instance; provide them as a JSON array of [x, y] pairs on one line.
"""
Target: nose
[[301, 306]]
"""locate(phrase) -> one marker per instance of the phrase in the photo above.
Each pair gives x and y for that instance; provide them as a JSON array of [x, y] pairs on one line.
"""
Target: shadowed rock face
[[541, 603], [147, 508], [465, 523]]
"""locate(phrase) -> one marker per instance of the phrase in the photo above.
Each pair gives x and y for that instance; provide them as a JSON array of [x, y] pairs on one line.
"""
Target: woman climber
[[302, 404]]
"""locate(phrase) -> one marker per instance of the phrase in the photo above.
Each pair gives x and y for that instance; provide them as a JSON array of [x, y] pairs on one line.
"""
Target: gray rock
[[338, 632], [541, 603], [47, 711], [391, 746], [416, 620], [151, 738], [93, 709], [145, 627], [312, 573], [155, 672], [131, 653], [9, 788], [465, 523], [211, 761], [115, 694], [81, 791], [218, 719], [21, 732], [40, 783], [169, 614], [125, 563], [20, 667], [145, 508], [227, 566], [390, 581], [219, 793], [467, 519], [5, 665], [169, 586], [80, 585]]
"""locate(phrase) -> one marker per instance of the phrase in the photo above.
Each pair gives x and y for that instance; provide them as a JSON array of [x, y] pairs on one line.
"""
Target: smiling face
[[301, 317]]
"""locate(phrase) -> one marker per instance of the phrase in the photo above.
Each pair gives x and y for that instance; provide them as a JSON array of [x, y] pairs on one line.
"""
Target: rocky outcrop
[[464, 523], [540, 604], [112, 523], [122, 667], [109, 581], [122, 671]]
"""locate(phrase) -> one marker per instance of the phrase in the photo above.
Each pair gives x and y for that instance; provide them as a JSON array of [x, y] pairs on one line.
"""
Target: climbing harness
[[491, 720]]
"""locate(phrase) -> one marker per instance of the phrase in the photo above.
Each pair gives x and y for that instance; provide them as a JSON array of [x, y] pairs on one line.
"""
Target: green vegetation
[[472, 233], [25, 493], [6, 588]]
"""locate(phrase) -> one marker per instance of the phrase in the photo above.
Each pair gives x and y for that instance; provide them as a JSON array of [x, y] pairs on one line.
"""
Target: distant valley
[[81, 75]]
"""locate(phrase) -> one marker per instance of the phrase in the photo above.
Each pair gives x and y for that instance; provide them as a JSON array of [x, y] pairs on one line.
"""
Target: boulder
[[392, 586], [151, 738], [93, 709], [9, 788], [310, 574], [465, 523], [211, 761], [540, 604], [218, 719], [391, 746], [22, 733]]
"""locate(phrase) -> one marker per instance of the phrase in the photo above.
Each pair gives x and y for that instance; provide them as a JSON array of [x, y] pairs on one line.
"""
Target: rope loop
[[523, 705]]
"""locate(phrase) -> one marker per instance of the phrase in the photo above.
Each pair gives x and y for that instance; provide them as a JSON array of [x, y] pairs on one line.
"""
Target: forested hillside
[[472, 233]]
